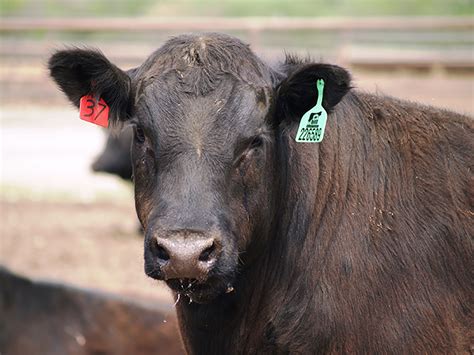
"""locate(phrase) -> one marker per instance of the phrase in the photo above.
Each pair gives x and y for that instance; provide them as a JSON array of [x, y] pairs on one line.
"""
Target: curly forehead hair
[[200, 62]]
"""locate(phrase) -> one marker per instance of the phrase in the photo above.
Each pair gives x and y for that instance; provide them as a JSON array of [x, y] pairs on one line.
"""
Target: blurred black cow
[[47, 318], [115, 158]]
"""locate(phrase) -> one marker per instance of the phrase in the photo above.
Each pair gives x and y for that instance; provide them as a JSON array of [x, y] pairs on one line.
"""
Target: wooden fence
[[422, 44], [355, 41]]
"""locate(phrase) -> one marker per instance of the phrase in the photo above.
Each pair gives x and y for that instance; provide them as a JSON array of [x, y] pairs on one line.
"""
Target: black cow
[[359, 244], [49, 318], [115, 158]]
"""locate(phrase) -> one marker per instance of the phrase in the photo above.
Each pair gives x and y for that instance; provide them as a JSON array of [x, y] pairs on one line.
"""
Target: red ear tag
[[94, 111]]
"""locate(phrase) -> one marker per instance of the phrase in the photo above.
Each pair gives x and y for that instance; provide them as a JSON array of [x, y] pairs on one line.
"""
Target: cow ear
[[297, 93], [80, 72]]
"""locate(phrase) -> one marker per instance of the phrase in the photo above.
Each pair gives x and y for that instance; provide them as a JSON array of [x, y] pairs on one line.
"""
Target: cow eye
[[256, 142], [139, 135]]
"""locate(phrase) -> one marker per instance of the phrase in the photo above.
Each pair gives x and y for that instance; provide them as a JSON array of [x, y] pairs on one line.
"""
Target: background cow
[[50, 318], [361, 243], [115, 156]]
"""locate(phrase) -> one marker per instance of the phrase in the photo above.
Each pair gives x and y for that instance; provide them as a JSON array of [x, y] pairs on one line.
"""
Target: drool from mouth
[[196, 291]]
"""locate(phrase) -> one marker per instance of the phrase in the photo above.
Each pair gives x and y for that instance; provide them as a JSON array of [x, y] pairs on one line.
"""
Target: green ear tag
[[313, 122]]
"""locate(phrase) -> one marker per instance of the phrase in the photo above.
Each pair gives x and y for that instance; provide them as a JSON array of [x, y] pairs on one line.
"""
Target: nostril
[[161, 253], [207, 253]]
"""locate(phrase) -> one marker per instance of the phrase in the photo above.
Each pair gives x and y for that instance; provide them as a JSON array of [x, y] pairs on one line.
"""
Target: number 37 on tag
[[94, 111]]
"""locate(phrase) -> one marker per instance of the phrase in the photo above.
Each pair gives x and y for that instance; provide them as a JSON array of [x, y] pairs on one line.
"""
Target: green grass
[[74, 8], [318, 7], [110, 8]]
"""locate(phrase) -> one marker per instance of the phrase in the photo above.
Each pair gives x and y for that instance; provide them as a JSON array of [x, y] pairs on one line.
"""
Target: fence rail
[[249, 24]]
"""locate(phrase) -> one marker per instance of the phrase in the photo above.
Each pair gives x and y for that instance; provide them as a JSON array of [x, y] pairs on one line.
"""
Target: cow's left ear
[[80, 72], [297, 93]]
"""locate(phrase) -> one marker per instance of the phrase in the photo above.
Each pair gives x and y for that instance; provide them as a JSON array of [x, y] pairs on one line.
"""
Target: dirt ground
[[93, 245]]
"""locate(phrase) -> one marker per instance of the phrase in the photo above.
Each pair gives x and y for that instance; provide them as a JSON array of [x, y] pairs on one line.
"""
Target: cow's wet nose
[[189, 257]]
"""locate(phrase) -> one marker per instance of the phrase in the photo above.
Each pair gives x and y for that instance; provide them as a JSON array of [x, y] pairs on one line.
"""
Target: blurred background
[[61, 221]]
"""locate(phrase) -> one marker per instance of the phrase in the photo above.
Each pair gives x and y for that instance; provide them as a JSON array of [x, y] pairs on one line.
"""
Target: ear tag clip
[[94, 111], [313, 122]]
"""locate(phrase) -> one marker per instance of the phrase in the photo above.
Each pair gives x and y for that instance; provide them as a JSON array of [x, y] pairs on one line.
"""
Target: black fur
[[359, 244]]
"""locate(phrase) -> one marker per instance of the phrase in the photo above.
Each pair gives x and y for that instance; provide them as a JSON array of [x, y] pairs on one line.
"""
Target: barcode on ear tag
[[313, 122], [94, 111]]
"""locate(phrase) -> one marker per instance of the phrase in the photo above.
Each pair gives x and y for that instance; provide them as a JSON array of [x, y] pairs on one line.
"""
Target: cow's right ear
[[80, 72]]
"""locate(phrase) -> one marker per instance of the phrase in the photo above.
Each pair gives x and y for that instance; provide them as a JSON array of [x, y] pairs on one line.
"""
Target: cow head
[[206, 113]]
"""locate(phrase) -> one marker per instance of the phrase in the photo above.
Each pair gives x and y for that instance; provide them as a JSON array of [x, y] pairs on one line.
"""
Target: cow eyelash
[[256, 142], [139, 135]]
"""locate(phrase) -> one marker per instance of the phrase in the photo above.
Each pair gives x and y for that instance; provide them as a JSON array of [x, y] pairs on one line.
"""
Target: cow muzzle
[[185, 254]]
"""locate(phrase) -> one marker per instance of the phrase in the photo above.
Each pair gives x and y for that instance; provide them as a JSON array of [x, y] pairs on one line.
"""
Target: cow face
[[203, 155], [209, 158]]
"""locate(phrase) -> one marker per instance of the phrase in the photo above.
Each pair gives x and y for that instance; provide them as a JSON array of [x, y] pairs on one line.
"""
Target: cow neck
[[222, 325], [313, 188]]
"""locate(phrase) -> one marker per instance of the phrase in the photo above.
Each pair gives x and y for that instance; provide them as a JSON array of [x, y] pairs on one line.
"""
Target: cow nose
[[186, 258]]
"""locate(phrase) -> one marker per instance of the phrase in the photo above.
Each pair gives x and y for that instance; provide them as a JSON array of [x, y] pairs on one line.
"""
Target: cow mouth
[[196, 291]]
